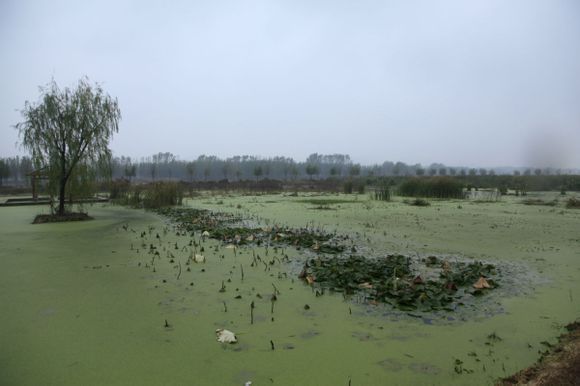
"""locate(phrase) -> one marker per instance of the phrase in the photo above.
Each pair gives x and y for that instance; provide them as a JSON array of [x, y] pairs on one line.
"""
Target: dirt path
[[558, 366]]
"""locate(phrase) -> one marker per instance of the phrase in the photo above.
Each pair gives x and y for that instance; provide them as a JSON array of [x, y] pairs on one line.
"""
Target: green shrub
[[435, 187], [537, 201], [347, 187], [417, 202], [573, 203]]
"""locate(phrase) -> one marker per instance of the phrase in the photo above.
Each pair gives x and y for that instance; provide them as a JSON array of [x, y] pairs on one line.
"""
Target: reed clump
[[149, 196]]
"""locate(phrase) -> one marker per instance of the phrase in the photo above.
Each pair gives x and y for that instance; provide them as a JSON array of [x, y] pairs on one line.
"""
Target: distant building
[[482, 194]]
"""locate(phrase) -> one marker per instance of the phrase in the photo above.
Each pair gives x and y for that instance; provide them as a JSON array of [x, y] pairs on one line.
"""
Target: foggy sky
[[471, 83]]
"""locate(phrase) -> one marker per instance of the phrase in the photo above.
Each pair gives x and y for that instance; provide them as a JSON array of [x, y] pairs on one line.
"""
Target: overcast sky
[[471, 83]]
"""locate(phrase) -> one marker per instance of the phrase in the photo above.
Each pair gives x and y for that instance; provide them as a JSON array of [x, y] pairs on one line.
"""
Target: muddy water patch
[[391, 365]]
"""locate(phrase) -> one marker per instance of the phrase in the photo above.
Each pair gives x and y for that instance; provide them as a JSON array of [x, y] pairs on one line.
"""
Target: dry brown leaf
[[446, 267], [481, 283]]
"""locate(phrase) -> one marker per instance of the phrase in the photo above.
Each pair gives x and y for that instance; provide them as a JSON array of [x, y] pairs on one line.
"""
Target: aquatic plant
[[393, 279], [230, 229]]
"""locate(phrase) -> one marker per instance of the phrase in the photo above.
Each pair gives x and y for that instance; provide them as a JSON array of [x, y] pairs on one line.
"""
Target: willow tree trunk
[[62, 185]]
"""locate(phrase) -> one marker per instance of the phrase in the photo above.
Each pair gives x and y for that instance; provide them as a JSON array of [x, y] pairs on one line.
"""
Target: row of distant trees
[[317, 166], [14, 170], [167, 166], [163, 166]]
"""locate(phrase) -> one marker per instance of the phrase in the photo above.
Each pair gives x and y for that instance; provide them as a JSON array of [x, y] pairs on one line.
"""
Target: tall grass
[[383, 193], [160, 194], [150, 196], [354, 185], [118, 189]]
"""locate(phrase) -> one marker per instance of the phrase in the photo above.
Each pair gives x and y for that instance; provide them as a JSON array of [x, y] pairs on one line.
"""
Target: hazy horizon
[[485, 83]]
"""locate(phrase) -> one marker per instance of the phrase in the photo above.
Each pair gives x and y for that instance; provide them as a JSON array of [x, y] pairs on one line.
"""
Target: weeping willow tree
[[68, 132]]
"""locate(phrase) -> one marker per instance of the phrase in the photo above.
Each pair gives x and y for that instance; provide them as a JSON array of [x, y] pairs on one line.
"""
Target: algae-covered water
[[90, 303]]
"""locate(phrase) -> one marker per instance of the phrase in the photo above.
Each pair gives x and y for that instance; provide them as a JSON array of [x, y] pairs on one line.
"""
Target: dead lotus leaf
[[446, 267], [365, 285], [481, 283], [250, 238], [418, 280], [310, 279], [225, 336], [205, 234]]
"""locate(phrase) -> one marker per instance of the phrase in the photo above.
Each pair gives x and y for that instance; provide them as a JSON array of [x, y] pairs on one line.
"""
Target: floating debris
[[225, 336]]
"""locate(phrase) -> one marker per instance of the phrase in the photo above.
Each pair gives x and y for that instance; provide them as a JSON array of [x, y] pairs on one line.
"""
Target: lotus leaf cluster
[[394, 279], [226, 228]]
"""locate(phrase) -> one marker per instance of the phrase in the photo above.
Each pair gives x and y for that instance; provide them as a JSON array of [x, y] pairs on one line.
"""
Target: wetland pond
[[136, 297]]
